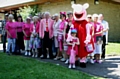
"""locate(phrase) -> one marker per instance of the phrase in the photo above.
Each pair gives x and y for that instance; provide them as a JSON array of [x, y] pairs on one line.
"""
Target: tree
[[29, 10]]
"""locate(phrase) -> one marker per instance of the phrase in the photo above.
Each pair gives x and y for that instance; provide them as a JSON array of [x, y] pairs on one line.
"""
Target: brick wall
[[110, 10]]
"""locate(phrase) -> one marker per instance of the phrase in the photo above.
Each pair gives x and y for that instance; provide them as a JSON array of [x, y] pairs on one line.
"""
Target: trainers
[[33, 56], [29, 53], [36, 56], [26, 53], [48, 56], [63, 59], [95, 61], [67, 61], [91, 61], [70, 66], [41, 56], [74, 66], [99, 61]]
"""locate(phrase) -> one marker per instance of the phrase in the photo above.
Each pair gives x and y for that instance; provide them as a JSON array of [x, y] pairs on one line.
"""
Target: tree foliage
[[29, 10]]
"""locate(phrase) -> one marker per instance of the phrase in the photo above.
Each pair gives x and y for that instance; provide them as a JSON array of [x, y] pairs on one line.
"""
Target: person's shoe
[[91, 61], [33, 55], [8, 53], [82, 65], [67, 61], [48, 56], [26, 53], [95, 61], [57, 58], [103, 59], [29, 54], [70, 66], [63, 59], [36, 56], [99, 61], [73, 66], [43, 57]]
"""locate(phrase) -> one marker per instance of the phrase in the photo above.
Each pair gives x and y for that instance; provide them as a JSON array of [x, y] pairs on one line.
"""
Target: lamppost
[[96, 1], [73, 2]]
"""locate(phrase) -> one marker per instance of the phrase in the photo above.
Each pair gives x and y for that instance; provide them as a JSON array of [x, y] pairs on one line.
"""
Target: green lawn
[[113, 49], [17, 67]]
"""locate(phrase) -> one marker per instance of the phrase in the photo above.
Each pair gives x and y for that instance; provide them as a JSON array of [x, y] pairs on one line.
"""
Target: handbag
[[89, 48], [72, 56]]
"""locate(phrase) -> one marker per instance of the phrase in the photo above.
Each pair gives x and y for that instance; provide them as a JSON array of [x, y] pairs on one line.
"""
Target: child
[[72, 51], [34, 40], [26, 32]]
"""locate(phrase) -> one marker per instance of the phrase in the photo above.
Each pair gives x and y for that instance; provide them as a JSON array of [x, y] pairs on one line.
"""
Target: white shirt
[[105, 26], [56, 27]]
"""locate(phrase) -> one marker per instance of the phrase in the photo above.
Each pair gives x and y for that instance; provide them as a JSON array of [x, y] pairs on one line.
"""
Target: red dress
[[81, 29], [75, 47]]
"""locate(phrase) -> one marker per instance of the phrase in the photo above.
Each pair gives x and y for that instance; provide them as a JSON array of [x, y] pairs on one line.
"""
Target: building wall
[[110, 10]]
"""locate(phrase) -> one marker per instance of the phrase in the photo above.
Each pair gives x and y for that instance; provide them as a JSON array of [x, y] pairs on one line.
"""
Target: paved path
[[110, 68]]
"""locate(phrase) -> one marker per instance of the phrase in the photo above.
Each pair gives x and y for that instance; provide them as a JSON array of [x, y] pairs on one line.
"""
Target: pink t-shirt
[[11, 28], [97, 28], [62, 25], [26, 28], [19, 26]]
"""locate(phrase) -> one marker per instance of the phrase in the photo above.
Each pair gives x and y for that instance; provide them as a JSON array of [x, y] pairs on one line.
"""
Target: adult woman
[[11, 34], [34, 40], [90, 33], [62, 34], [55, 29], [20, 40], [98, 30], [26, 32]]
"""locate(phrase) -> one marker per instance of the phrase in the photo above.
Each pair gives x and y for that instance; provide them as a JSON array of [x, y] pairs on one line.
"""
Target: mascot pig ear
[[73, 6], [85, 6]]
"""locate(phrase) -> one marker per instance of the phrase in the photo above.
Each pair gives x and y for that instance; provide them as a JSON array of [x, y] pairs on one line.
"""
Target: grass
[[113, 49], [18, 67]]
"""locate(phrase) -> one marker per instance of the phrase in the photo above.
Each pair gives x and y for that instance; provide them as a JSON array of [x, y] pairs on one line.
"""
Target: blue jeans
[[11, 42]]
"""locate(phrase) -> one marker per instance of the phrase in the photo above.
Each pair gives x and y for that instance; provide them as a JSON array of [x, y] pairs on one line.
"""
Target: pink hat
[[63, 13]]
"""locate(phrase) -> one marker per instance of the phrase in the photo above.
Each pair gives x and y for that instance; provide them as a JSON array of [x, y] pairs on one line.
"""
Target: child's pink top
[[72, 40], [97, 28], [11, 28], [26, 28], [19, 26], [37, 27]]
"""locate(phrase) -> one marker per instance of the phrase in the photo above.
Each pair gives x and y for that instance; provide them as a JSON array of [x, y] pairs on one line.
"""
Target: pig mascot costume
[[79, 15]]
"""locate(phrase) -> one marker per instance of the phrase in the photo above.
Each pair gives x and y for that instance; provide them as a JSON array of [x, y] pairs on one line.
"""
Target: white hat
[[28, 18], [89, 15], [95, 15], [69, 12], [56, 14], [10, 16], [100, 15]]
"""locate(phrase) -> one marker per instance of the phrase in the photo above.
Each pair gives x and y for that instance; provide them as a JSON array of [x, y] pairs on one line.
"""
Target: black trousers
[[47, 43], [19, 43], [4, 39], [103, 46]]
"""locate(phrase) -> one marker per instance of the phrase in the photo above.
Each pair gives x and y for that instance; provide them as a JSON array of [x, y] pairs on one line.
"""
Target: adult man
[[4, 34], [46, 34], [105, 30]]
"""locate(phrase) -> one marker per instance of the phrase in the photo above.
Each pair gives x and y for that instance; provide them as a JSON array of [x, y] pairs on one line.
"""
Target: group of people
[[54, 37]]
